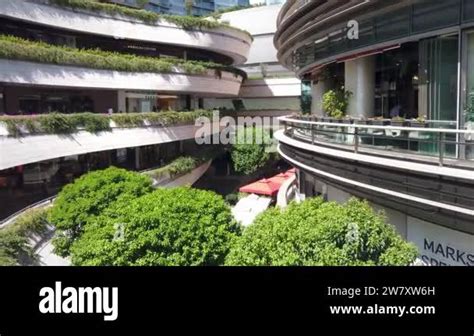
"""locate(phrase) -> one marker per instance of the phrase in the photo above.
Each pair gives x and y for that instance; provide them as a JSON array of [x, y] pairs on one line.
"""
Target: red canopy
[[269, 186], [280, 178], [262, 187]]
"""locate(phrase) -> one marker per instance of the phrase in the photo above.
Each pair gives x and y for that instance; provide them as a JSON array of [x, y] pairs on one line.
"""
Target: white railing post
[[356, 139]]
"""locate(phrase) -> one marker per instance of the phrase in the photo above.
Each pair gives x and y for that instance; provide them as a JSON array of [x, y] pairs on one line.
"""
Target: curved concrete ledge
[[271, 87], [186, 179], [299, 21], [30, 149], [226, 41], [422, 168], [287, 192], [20, 72], [450, 215]]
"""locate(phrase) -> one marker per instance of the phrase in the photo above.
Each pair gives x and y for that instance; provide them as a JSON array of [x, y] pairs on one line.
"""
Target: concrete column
[[194, 102], [360, 80], [137, 158], [121, 103], [318, 89]]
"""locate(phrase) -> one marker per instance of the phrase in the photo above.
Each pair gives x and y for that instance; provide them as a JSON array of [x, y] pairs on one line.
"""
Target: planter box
[[418, 124], [400, 123], [379, 122], [348, 121]]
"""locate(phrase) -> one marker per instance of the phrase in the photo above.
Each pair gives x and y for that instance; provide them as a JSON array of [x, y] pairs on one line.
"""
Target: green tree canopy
[[177, 226], [87, 197], [321, 233], [249, 153], [15, 248]]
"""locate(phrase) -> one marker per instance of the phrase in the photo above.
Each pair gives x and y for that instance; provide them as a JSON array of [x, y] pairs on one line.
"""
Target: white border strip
[[380, 190]]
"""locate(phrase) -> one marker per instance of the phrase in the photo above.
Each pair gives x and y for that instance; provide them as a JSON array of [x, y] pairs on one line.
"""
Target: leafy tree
[[177, 226], [87, 197], [14, 243], [250, 153], [336, 102], [321, 233]]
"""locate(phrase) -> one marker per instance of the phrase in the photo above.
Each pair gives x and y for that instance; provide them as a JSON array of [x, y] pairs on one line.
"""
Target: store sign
[[353, 30], [440, 246]]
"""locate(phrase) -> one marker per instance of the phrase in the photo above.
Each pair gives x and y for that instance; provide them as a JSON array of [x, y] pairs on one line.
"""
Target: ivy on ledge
[[184, 164], [12, 47], [57, 123], [185, 22]]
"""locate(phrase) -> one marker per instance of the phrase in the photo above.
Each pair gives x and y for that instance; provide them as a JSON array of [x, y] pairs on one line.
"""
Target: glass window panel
[[468, 10], [392, 25], [431, 15]]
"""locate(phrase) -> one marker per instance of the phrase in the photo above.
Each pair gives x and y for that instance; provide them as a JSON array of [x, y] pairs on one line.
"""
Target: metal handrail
[[4, 222], [379, 127], [440, 141]]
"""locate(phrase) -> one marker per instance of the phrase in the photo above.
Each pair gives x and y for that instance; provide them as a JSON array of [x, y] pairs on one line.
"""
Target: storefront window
[[467, 121], [469, 115], [439, 78], [306, 96], [396, 82], [419, 79]]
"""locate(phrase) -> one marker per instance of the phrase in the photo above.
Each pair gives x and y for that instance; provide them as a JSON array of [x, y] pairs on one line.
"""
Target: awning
[[248, 208], [268, 187], [262, 187]]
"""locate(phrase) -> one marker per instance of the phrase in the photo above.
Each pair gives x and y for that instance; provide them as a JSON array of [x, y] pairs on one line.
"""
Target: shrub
[[232, 199], [185, 164], [14, 247], [87, 197], [321, 233], [57, 123], [186, 22], [17, 48], [335, 103], [91, 122], [249, 153], [181, 165], [177, 226]]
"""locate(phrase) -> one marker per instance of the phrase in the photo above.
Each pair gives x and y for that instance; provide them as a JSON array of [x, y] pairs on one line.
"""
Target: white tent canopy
[[247, 209]]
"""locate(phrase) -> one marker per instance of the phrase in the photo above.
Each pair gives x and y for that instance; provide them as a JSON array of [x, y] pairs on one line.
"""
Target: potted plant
[[399, 121], [419, 122], [379, 121], [362, 121], [335, 103], [347, 120]]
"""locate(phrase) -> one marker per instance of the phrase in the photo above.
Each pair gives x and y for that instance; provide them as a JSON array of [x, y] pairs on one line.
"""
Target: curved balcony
[[223, 40], [49, 75], [16, 151], [311, 34], [425, 172]]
